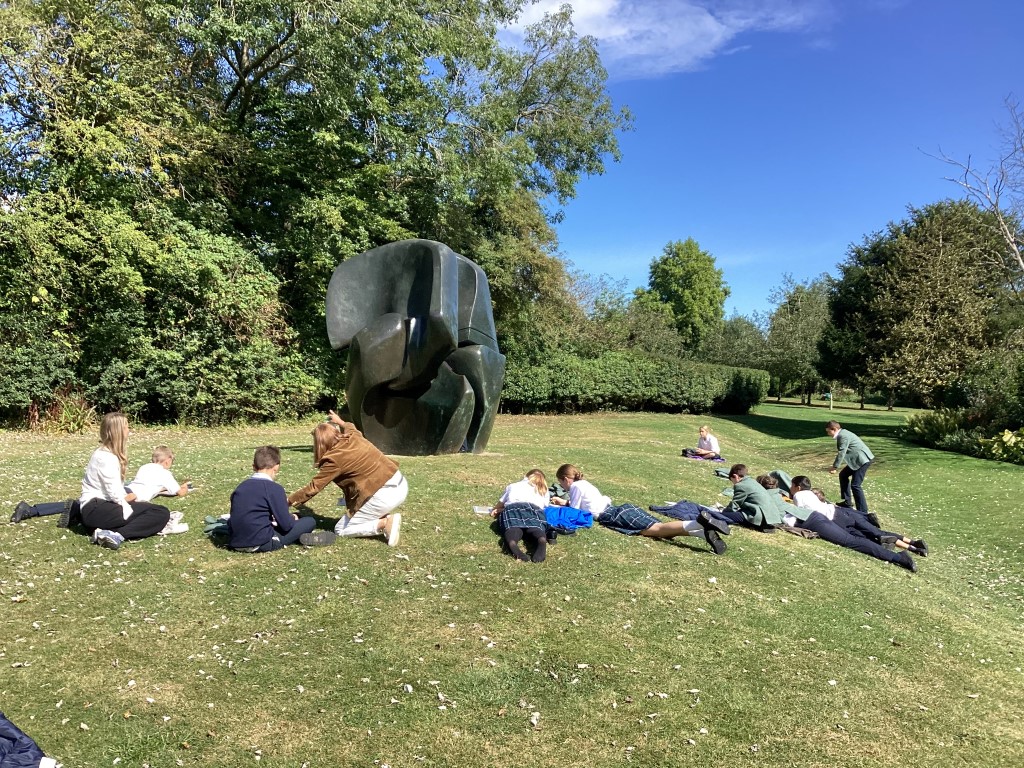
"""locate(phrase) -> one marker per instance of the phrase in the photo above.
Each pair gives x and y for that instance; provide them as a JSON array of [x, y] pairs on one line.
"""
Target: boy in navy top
[[260, 520]]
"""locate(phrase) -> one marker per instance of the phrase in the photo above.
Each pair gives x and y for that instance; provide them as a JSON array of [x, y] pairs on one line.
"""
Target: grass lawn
[[444, 652]]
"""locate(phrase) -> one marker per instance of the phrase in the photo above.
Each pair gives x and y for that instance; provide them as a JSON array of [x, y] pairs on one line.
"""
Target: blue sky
[[778, 132]]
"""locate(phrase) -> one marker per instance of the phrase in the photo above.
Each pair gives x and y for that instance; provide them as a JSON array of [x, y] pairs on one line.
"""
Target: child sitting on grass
[[153, 479], [260, 520]]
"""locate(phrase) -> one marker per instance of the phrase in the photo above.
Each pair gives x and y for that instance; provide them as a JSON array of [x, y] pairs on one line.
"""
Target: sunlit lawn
[[444, 652]]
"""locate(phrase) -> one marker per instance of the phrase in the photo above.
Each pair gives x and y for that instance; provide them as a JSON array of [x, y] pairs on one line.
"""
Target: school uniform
[[752, 504], [858, 457]]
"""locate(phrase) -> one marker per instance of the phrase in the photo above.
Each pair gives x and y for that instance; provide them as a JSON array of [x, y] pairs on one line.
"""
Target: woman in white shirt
[[109, 511]]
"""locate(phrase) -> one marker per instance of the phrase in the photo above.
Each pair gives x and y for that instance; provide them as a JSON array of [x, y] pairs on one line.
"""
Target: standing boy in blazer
[[857, 456]]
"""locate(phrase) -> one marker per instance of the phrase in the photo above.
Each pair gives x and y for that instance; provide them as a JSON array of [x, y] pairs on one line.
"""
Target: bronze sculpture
[[424, 369]]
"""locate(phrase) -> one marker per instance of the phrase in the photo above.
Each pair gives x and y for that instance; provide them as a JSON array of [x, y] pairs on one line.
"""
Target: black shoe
[[844, 503], [906, 561], [715, 541], [709, 523], [888, 540], [919, 547], [22, 511], [318, 538], [70, 515]]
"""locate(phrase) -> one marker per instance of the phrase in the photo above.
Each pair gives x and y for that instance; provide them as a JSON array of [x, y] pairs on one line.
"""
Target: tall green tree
[[686, 279], [910, 312], [740, 340], [795, 327], [293, 134]]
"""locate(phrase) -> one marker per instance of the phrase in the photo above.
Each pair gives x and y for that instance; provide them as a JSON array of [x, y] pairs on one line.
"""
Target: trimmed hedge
[[622, 382]]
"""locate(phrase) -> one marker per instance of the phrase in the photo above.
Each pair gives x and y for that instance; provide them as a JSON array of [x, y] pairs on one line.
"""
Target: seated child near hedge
[[152, 480], [155, 479], [260, 520]]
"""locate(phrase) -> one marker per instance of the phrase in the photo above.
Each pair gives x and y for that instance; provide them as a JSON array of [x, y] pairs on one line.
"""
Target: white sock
[[693, 528]]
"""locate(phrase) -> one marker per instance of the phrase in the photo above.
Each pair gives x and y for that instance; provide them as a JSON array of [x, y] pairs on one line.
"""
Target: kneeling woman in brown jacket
[[372, 483]]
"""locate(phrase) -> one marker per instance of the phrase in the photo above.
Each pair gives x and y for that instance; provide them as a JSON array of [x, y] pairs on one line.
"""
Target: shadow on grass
[[803, 429], [296, 448]]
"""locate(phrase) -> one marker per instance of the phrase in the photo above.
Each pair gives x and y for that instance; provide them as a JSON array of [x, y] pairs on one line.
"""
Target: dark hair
[[266, 456], [738, 469], [833, 425], [768, 481], [803, 482]]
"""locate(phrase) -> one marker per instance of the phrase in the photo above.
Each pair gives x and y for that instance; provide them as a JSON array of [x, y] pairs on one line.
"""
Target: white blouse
[[584, 495], [523, 491], [102, 480]]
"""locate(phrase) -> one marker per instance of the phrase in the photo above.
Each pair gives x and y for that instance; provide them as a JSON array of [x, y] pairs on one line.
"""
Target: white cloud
[[647, 38]]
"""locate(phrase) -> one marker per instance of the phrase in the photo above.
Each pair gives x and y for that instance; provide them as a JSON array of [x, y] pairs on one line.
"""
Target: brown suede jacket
[[355, 465]]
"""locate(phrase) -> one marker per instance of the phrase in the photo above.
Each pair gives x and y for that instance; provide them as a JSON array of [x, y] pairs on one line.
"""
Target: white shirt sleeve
[[807, 500]]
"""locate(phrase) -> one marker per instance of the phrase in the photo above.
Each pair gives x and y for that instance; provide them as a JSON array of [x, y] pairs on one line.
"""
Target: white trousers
[[364, 522]]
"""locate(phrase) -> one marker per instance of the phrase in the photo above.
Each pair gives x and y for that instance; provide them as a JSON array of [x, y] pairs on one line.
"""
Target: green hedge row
[[624, 382]]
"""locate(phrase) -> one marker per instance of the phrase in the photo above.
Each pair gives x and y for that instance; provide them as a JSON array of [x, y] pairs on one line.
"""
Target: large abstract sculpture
[[424, 370]]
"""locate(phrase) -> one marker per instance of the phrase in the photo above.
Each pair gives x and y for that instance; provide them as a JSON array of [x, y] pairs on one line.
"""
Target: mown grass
[[440, 652]]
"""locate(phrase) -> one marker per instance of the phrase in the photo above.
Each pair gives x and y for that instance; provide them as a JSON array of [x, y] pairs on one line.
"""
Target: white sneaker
[[177, 517], [108, 539], [393, 530], [172, 528]]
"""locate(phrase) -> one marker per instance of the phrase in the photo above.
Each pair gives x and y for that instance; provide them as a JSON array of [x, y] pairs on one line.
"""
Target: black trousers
[[282, 540], [852, 480], [837, 534], [857, 523], [146, 519]]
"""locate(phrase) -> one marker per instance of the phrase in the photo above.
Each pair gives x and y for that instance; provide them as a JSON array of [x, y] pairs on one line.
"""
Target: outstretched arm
[[343, 425]]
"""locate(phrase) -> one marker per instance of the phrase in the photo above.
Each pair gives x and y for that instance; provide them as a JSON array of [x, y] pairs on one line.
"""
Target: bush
[[69, 413], [141, 312], [624, 382], [989, 400], [1009, 446], [931, 427]]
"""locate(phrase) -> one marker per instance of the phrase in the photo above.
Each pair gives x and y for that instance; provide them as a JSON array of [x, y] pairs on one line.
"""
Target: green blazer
[[753, 501], [784, 507], [852, 450]]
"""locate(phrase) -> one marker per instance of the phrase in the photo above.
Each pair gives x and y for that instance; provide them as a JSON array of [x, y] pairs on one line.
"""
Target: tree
[[291, 135], [686, 279], [910, 311], [999, 191], [740, 340], [794, 329]]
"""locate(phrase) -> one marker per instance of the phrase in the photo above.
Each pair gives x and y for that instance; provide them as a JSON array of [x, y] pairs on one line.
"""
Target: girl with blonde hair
[[372, 483], [108, 510], [520, 514]]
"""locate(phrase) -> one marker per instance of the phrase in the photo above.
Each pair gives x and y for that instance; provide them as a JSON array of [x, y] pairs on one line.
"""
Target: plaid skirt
[[521, 515], [627, 518]]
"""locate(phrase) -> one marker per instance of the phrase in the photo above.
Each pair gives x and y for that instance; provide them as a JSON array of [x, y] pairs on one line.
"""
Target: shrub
[[619, 381], [69, 412], [142, 312], [1008, 446], [989, 400]]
